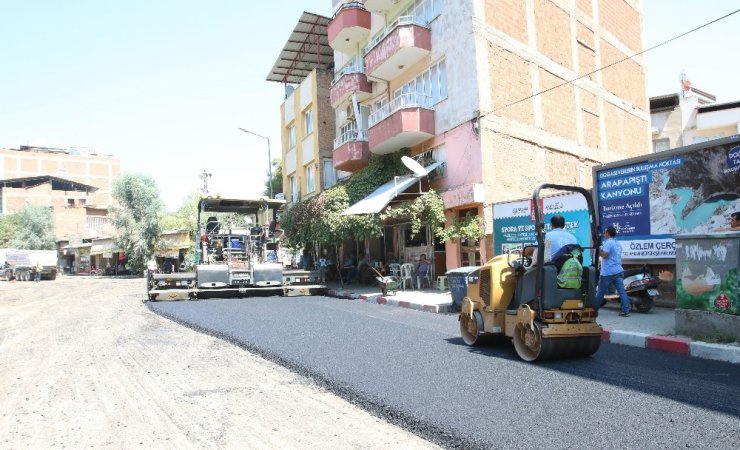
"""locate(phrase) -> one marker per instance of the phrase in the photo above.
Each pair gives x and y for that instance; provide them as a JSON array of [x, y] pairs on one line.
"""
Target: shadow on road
[[698, 382]]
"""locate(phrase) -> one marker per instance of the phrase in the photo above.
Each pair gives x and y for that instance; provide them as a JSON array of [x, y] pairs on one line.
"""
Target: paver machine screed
[[516, 297]]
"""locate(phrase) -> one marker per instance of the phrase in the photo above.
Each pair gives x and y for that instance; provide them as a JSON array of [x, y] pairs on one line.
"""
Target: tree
[[35, 229], [9, 225], [184, 218], [136, 218], [277, 178]]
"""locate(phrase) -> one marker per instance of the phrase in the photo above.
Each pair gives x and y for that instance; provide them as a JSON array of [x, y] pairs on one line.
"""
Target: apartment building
[[76, 184], [690, 117], [306, 116], [485, 87]]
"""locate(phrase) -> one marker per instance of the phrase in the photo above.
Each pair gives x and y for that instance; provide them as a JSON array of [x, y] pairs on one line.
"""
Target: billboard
[[514, 225], [684, 192]]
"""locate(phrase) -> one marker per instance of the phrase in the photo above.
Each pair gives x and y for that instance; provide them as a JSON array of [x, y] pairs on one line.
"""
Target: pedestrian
[[151, 265], [734, 223], [37, 272], [612, 272]]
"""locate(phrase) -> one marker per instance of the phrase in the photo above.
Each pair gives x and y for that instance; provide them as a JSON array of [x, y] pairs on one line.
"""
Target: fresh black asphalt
[[412, 368]]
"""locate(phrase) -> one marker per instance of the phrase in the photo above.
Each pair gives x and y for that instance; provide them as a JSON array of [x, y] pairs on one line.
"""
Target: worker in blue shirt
[[612, 272], [557, 237]]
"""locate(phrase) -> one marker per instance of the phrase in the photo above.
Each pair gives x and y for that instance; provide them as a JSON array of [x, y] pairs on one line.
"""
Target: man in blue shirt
[[557, 237], [612, 272]]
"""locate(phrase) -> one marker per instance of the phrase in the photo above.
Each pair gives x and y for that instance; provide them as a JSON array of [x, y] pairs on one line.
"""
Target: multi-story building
[[691, 117], [76, 185], [306, 116], [507, 93]]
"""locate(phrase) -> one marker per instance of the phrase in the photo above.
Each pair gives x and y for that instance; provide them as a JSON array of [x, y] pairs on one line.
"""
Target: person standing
[[612, 272], [37, 272]]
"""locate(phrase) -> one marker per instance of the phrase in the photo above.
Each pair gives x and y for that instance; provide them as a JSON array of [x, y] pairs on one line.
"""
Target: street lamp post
[[269, 158]]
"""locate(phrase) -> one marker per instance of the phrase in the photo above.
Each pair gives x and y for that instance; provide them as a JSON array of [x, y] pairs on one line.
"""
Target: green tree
[[35, 229], [9, 224], [184, 218], [136, 218], [277, 178]]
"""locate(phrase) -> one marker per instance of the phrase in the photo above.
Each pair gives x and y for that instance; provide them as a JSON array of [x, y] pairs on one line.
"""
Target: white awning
[[379, 199]]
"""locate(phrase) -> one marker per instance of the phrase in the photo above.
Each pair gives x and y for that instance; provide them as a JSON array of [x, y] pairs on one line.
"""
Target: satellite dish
[[414, 166]]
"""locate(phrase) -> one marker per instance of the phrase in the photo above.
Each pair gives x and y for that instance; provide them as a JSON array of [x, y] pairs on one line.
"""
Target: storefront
[[171, 250], [106, 256]]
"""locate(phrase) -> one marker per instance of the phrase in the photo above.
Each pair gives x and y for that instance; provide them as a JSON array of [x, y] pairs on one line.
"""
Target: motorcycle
[[641, 288]]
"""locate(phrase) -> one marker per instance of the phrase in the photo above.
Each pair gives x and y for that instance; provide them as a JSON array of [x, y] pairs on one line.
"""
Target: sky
[[164, 85]]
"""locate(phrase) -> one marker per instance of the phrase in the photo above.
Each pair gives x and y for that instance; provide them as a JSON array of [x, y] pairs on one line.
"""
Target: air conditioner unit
[[280, 196]]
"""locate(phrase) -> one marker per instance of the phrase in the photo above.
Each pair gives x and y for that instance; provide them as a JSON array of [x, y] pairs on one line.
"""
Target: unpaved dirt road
[[84, 363]]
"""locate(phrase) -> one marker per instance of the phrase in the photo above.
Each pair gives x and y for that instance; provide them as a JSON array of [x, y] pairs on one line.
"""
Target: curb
[[670, 344], [384, 300]]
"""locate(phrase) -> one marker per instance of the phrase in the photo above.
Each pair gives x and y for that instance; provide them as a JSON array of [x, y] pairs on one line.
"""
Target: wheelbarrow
[[388, 284]]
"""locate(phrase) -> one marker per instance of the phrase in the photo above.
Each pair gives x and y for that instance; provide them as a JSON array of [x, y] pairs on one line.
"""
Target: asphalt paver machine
[[519, 298], [238, 254]]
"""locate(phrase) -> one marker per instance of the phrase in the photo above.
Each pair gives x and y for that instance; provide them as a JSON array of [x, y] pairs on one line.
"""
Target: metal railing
[[401, 21], [355, 65], [409, 100], [347, 5], [352, 134]]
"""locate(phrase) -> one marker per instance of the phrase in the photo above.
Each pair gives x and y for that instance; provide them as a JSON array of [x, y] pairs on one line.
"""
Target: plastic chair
[[407, 273], [395, 269], [424, 276]]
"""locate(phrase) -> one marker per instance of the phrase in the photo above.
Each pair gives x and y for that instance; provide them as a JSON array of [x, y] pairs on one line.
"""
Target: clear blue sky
[[165, 84]]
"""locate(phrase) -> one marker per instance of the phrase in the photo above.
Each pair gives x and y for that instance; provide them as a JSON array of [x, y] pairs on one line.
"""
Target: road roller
[[515, 296]]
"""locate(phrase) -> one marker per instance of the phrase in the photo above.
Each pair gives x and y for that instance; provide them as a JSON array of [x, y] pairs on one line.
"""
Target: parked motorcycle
[[641, 288]]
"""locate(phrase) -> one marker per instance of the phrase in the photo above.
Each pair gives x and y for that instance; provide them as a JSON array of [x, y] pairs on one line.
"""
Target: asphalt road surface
[[412, 369]]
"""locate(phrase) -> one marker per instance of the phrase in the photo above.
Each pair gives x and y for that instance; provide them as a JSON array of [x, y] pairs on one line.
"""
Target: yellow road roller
[[512, 295]]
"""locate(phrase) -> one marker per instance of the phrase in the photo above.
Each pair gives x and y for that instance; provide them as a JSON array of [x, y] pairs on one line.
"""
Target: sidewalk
[[655, 330]]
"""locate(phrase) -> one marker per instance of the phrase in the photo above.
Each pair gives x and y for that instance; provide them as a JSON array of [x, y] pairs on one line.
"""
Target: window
[[294, 197], [308, 121], [70, 203], [431, 84], [329, 179], [426, 9], [660, 145], [291, 136], [310, 178]]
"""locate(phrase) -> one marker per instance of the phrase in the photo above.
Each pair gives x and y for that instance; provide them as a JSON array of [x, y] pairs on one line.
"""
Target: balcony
[[351, 151], [349, 27], [380, 6], [401, 45], [406, 121], [351, 79]]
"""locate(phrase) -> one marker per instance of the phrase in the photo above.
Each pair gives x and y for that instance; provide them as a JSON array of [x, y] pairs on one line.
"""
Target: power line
[[615, 63]]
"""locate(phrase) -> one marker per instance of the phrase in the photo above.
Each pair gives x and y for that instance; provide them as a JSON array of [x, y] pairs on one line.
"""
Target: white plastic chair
[[407, 273], [424, 276], [395, 269]]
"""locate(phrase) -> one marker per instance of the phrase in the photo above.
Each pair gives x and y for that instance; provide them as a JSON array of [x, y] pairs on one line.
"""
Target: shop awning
[[382, 196], [102, 246], [171, 243]]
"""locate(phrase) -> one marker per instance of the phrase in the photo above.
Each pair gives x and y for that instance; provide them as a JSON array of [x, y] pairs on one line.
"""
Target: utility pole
[[205, 176], [269, 158]]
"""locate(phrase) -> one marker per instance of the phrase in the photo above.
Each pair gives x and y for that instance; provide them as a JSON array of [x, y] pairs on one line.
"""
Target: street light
[[269, 157]]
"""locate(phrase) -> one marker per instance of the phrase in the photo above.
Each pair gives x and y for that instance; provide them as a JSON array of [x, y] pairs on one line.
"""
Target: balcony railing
[[403, 101], [349, 27], [356, 65], [401, 21], [346, 5], [350, 135]]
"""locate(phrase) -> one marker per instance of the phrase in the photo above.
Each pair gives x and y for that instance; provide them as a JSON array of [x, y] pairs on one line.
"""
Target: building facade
[[691, 117], [306, 116], [485, 87]]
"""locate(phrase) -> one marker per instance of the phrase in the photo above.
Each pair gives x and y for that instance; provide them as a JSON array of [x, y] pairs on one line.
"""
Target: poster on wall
[[650, 202], [513, 222]]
